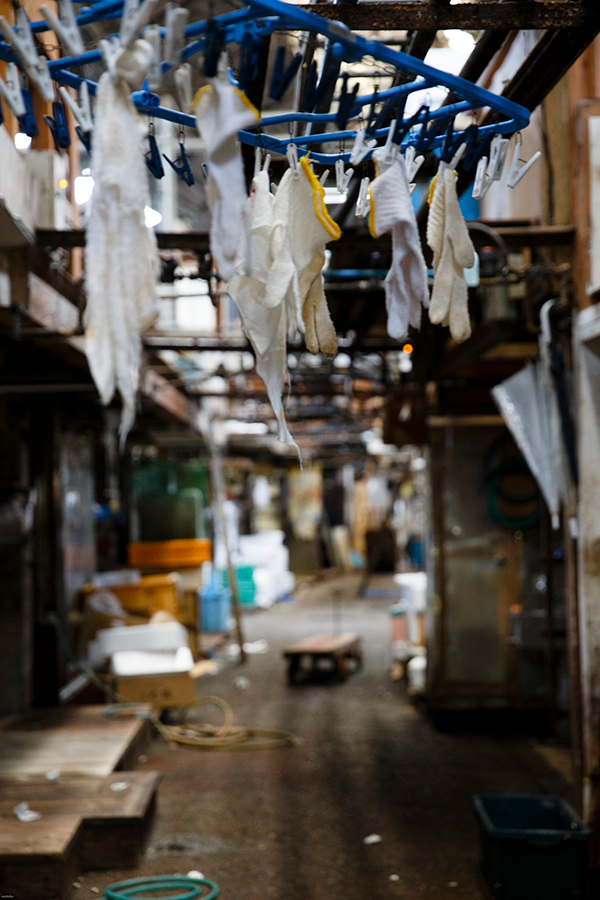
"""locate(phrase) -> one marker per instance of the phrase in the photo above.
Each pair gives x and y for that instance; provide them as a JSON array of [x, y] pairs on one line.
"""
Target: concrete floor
[[289, 824]]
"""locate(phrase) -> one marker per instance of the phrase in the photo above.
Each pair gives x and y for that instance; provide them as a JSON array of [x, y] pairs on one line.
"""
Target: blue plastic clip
[[403, 126], [214, 44], [27, 123], [58, 126], [85, 137], [153, 160], [249, 52], [184, 171], [282, 77], [372, 120], [476, 149], [393, 109], [315, 89], [346, 102]]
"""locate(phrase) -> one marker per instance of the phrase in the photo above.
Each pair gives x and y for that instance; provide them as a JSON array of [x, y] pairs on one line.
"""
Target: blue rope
[[134, 887]]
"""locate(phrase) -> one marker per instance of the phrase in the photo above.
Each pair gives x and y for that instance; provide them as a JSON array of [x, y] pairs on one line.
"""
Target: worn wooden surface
[[76, 741], [85, 823], [323, 644]]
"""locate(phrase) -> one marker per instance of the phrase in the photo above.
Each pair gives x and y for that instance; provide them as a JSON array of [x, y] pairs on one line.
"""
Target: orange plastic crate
[[163, 554]]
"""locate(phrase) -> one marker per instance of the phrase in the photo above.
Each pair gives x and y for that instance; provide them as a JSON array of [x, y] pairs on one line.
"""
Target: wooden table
[[338, 649]]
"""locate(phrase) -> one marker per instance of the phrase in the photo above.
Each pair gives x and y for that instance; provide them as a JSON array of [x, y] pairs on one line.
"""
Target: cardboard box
[[175, 689]]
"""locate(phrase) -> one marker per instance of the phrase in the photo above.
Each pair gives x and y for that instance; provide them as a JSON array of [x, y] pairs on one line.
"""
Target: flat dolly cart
[[307, 656]]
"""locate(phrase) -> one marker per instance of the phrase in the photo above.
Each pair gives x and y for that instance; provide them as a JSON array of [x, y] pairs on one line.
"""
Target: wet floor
[[289, 824]]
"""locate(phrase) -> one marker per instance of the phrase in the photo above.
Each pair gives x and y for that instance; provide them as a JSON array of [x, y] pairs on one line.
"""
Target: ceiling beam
[[490, 15]]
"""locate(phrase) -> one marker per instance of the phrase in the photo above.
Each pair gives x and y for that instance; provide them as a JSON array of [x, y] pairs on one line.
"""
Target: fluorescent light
[[153, 217], [22, 141]]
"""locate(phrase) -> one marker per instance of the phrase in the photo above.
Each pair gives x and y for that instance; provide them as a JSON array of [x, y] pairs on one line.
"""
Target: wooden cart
[[342, 651]]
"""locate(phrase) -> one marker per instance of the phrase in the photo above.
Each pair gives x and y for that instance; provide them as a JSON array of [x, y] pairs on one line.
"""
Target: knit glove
[[301, 229], [406, 289], [264, 327], [222, 110], [320, 332], [453, 252]]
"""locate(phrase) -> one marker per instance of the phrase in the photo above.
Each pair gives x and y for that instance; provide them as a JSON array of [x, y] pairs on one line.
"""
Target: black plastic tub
[[533, 848]]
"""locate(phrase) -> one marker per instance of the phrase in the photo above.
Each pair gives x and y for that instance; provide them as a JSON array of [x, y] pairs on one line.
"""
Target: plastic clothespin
[[65, 27], [346, 103], [183, 83], [153, 160], [315, 88], [20, 39], [27, 122], [342, 178], [292, 156], [373, 118], [282, 77], [391, 150], [361, 147], [183, 169], [133, 19], [154, 78], [85, 137], [57, 123], [214, 45], [176, 18], [362, 204], [249, 53], [261, 163], [82, 110], [498, 151], [481, 185], [10, 90], [413, 163], [516, 171], [324, 177]]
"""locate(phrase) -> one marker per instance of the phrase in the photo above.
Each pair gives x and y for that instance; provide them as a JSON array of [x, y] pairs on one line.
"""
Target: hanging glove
[[265, 328], [221, 111], [320, 332], [121, 254], [453, 252], [301, 229], [406, 289]]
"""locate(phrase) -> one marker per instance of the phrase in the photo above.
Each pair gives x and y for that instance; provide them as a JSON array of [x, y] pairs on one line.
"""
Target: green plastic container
[[245, 585], [533, 848]]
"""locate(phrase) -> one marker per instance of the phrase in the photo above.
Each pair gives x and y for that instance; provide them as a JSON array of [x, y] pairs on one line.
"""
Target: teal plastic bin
[[245, 585], [533, 848]]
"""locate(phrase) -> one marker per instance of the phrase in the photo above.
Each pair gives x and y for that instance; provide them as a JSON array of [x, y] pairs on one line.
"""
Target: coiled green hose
[[125, 890]]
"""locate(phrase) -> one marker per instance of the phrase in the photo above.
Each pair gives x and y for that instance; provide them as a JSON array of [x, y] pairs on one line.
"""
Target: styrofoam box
[[145, 662], [161, 636]]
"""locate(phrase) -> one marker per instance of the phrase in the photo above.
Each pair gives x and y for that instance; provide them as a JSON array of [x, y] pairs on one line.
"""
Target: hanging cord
[[124, 890], [225, 737]]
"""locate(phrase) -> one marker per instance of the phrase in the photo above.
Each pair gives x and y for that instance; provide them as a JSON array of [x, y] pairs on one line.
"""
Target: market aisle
[[289, 824]]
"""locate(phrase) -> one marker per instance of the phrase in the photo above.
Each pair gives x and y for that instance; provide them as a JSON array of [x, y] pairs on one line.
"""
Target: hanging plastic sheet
[[528, 406]]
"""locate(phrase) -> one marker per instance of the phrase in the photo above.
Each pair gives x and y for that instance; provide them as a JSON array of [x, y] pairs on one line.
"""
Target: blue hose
[[125, 890]]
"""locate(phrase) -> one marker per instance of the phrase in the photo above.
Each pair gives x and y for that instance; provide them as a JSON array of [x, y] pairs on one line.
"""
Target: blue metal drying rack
[[263, 17]]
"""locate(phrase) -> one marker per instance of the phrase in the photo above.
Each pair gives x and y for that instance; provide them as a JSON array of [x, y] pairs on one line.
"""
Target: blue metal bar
[[355, 46]]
